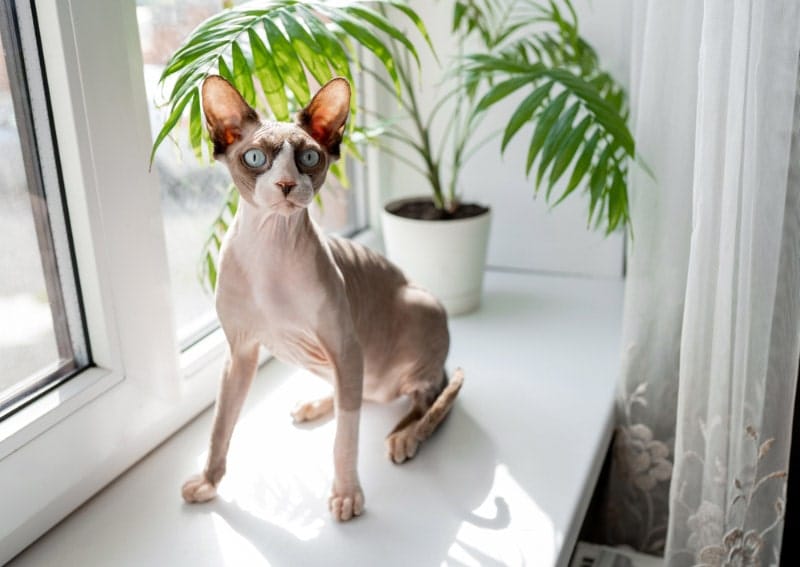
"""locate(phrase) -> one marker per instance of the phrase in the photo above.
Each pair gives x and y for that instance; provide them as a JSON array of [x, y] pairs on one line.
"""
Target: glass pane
[[193, 192], [28, 342]]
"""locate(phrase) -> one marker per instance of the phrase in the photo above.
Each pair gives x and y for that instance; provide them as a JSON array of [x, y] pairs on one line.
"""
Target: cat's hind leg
[[313, 410], [426, 415]]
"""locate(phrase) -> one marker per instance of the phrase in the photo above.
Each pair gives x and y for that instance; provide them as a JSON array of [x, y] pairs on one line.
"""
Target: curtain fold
[[665, 46], [711, 326]]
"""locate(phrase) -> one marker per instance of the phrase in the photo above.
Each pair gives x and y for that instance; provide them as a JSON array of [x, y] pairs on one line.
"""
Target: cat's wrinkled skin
[[328, 305]]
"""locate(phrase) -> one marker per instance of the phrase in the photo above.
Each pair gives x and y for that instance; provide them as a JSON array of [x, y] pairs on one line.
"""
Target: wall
[[525, 233]]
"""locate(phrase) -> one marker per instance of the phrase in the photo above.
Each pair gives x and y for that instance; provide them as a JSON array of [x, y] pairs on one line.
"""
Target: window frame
[[91, 428], [50, 217]]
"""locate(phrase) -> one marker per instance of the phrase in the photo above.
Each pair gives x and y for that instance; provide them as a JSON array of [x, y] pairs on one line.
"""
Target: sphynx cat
[[329, 305]]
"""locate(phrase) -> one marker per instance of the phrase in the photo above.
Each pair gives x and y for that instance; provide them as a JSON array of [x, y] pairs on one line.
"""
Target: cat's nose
[[286, 186]]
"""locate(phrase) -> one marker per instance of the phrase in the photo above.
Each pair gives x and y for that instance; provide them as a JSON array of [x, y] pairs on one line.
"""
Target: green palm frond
[[267, 50], [209, 262], [577, 111]]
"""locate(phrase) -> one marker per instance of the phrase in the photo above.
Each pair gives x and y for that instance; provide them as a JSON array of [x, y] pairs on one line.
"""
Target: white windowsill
[[38, 416], [506, 480]]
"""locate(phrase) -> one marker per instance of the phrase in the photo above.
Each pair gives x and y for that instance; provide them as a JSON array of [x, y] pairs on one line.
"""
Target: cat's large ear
[[325, 116], [226, 112]]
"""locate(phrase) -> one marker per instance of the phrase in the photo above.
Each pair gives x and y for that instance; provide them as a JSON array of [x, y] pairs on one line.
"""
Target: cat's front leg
[[347, 498], [240, 368]]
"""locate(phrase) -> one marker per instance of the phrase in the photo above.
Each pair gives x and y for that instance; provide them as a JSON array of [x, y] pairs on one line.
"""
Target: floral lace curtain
[[711, 332]]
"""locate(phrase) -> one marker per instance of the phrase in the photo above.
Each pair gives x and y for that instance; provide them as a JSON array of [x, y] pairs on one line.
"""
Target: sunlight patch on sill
[[274, 480]]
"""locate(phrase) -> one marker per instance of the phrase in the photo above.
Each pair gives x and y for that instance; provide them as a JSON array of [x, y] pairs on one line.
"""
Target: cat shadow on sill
[[414, 510]]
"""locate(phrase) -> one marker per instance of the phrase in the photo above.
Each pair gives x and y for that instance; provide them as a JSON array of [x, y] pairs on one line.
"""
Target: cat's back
[[364, 270], [379, 293], [402, 328]]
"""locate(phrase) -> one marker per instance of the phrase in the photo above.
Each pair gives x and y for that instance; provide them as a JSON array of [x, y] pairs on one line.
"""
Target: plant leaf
[[180, 60], [604, 112], [616, 201], [417, 20], [369, 41], [554, 139], [224, 70], [568, 149], [269, 77], [546, 120], [500, 91], [242, 76], [232, 202], [306, 47], [289, 66], [597, 182], [169, 123], [186, 83], [196, 127], [490, 64], [333, 50], [459, 9], [384, 25], [524, 112], [211, 270], [581, 166]]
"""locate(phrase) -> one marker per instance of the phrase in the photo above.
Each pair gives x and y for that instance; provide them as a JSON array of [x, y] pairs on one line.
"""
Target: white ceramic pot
[[446, 257]]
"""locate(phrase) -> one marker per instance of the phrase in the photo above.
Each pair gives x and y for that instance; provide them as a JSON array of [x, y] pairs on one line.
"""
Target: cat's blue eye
[[254, 158], [308, 158]]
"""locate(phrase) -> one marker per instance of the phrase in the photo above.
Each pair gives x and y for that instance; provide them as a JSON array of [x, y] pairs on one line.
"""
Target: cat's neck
[[274, 226]]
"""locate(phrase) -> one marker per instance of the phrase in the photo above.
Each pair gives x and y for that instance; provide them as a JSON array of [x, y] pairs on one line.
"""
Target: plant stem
[[425, 151]]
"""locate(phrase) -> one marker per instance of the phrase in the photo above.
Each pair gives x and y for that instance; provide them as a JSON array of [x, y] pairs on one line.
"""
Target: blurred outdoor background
[[27, 339]]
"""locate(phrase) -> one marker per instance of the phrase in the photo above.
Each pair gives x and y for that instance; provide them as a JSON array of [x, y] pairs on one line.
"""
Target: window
[[192, 193], [41, 337]]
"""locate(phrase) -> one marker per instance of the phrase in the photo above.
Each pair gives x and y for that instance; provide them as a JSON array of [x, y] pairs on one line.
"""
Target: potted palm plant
[[578, 113]]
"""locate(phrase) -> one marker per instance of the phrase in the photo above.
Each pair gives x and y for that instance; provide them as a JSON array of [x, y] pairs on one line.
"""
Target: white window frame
[[42, 175], [60, 450]]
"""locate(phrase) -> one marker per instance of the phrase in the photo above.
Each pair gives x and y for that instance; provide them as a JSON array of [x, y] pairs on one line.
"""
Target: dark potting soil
[[423, 209]]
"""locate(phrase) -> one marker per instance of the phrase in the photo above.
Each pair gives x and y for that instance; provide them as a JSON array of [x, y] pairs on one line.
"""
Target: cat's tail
[[436, 413]]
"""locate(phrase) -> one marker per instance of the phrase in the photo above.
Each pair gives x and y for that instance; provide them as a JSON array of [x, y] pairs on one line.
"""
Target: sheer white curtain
[[712, 320], [739, 346]]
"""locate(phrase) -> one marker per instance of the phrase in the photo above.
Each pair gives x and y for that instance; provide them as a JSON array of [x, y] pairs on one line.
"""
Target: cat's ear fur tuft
[[326, 115], [226, 112]]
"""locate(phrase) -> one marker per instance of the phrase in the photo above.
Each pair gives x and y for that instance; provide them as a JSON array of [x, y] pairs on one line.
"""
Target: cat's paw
[[198, 489], [311, 411], [402, 445], [346, 504]]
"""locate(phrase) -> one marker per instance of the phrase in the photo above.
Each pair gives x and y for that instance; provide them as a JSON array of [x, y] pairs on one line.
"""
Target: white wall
[[525, 233]]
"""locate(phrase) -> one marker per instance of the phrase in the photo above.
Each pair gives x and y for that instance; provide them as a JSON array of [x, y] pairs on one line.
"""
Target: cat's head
[[277, 166]]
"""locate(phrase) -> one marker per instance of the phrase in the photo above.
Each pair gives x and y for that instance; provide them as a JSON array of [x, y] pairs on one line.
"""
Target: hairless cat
[[327, 304]]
